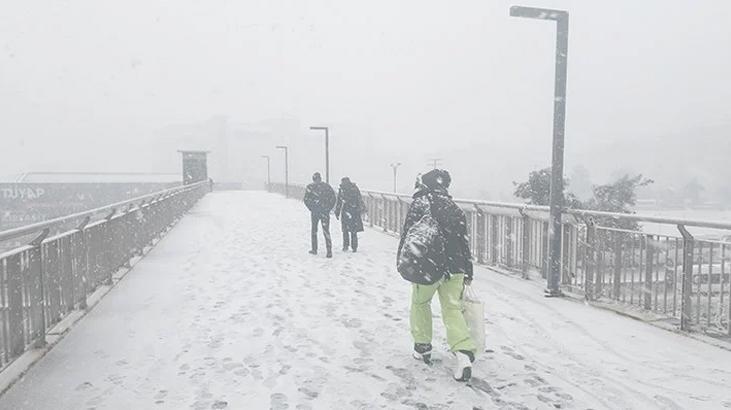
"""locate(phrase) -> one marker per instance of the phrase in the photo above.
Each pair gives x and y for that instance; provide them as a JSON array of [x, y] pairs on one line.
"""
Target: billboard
[[27, 203]]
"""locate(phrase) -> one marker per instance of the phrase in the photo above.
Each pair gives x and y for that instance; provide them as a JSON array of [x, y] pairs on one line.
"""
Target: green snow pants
[[450, 298]]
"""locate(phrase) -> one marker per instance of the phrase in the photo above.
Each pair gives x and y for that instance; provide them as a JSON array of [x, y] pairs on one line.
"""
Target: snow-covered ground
[[229, 311]]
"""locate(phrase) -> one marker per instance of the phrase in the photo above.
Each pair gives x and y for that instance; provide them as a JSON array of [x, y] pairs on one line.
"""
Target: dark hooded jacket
[[452, 222], [319, 198], [350, 206]]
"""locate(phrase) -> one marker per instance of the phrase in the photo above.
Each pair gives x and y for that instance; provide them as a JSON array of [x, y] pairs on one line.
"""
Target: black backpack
[[423, 256]]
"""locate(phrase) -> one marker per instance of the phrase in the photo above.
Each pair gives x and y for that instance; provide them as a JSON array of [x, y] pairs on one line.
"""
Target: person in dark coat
[[349, 208], [433, 186], [320, 200], [432, 196]]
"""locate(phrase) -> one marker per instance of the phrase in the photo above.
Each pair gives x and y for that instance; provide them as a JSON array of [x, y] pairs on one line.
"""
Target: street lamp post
[[395, 169], [559, 123], [286, 168], [327, 151], [269, 172], [435, 162]]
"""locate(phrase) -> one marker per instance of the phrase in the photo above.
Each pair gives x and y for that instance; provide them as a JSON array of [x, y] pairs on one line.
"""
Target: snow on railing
[[45, 278]]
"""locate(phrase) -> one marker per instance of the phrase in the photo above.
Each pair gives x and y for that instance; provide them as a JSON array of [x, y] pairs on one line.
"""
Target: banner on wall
[[27, 203]]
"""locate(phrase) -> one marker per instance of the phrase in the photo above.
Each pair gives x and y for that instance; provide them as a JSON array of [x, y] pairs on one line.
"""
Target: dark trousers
[[349, 238], [323, 219]]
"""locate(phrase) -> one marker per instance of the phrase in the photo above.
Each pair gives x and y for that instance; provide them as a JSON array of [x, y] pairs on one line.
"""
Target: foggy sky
[[86, 84]]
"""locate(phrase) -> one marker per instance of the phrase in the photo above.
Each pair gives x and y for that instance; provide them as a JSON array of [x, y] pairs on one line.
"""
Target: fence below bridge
[[52, 274], [684, 278]]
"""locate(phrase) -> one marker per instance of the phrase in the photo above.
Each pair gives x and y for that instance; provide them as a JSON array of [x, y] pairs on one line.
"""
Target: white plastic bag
[[474, 315]]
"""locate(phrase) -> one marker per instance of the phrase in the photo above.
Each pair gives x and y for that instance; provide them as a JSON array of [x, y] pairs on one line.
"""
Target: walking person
[[349, 208], [320, 200], [445, 267]]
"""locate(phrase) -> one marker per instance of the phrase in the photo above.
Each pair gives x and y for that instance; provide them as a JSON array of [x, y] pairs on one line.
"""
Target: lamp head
[[538, 13]]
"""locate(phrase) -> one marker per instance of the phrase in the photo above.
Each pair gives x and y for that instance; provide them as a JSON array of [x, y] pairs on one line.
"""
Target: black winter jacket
[[350, 205], [452, 222], [319, 198]]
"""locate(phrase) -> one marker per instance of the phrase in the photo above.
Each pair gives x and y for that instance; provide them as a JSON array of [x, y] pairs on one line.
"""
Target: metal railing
[[52, 274], [293, 191], [678, 276]]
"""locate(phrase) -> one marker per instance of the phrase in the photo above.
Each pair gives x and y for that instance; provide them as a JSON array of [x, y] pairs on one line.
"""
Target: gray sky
[[86, 84]]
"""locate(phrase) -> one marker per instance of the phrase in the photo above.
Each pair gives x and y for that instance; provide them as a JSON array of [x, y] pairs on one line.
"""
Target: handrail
[[49, 277], [517, 206], [577, 212], [371, 191], [635, 267], [653, 219], [40, 226]]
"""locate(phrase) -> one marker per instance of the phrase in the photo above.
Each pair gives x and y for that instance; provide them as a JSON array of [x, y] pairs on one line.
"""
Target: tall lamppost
[[561, 18], [395, 166], [327, 151], [286, 168], [269, 172]]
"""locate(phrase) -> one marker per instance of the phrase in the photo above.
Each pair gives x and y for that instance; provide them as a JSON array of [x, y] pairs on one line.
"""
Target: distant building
[[236, 147]]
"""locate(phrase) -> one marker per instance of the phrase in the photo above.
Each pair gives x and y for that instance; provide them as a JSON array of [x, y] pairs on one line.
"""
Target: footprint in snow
[[84, 386], [532, 382], [242, 371], [278, 401], [549, 401], [352, 323], [515, 356], [309, 394]]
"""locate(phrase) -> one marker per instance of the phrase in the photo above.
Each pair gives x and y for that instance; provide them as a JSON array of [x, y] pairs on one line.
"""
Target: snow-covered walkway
[[229, 311]]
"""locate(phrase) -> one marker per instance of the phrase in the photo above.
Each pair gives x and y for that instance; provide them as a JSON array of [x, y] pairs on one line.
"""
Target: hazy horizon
[[97, 87]]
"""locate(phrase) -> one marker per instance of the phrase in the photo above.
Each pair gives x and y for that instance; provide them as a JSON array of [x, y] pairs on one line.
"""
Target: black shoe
[[329, 254], [355, 250], [345, 248], [312, 252], [422, 351]]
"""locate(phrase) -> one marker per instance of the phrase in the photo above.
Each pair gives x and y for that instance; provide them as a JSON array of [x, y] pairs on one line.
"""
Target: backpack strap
[[430, 199], [430, 211]]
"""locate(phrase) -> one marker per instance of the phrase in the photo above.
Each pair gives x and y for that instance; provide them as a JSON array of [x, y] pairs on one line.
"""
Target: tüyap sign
[[22, 192], [24, 203]]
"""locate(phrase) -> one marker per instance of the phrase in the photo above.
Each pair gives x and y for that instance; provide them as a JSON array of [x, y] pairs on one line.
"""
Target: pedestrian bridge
[[228, 310]]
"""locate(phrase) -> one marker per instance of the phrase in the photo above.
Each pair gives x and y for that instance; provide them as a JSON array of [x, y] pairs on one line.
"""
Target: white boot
[[463, 366]]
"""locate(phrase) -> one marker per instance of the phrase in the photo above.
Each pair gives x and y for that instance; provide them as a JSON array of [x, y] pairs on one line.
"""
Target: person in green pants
[[450, 299], [432, 196]]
